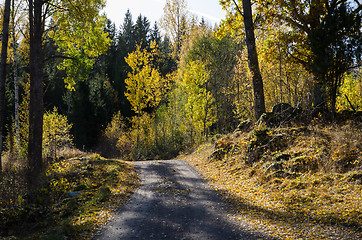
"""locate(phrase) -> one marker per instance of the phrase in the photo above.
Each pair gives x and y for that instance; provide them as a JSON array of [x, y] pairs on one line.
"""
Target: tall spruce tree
[[155, 34], [142, 32]]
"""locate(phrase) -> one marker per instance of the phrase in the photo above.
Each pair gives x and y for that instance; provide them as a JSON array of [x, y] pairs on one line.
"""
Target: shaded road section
[[173, 202]]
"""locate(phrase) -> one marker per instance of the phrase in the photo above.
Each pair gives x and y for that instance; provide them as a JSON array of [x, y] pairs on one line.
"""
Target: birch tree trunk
[[16, 82]]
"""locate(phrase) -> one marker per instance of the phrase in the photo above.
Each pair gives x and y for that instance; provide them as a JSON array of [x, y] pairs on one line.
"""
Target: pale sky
[[153, 10]]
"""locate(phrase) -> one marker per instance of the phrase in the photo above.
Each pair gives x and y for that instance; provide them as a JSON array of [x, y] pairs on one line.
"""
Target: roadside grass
[[303, 183], [76, 198]]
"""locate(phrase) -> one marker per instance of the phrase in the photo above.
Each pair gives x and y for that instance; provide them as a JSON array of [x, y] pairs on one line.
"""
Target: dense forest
[[71, 80], [192, 81]]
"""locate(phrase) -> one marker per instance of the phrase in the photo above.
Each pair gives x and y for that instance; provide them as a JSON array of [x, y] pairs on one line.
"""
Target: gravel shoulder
[[174, 202]]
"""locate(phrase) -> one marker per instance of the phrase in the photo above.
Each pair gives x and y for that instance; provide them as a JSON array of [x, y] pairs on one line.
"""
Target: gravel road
[[173, 202]]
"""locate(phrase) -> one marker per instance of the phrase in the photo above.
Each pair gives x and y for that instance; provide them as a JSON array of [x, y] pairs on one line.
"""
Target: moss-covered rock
[[354, 176], [223, 147], [346, 161], [243, 126], [281, 157], [217, 155], [103, 194], [274, 167]]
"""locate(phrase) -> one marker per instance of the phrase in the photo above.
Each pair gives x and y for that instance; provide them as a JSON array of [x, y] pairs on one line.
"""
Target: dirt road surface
[[173, 202]]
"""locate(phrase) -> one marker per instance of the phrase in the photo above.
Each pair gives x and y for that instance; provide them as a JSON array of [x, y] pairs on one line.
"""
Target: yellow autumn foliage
[[56, 133]]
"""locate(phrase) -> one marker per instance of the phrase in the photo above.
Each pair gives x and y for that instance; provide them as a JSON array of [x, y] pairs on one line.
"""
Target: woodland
[[78, 92]]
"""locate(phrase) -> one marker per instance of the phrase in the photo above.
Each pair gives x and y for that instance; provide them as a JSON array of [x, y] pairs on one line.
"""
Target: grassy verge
[[300, 183], [77, 197]]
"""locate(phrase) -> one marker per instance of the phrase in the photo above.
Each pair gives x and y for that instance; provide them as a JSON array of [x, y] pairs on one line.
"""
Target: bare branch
[[58, 57], [358, 3], [237, 7]]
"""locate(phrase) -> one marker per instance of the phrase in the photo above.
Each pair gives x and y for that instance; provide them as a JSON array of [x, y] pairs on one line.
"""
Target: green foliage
[[80, 36], [76, 197], [191, 108], [352, 88], [324, 36], [170, 128], [199, 108], [17, 146], [219, 57], [284, 78], [143, 135], [56, 133], [114, 139]]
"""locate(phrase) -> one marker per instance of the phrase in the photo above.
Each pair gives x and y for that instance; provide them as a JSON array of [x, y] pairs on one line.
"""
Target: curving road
[[173, 202]]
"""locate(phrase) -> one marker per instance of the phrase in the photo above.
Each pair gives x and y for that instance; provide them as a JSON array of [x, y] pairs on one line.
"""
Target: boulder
[[282, 113], [223, 147], [243, 126], [73, 194], [281, 157], [284, 109], [274, 167], [278, 174]]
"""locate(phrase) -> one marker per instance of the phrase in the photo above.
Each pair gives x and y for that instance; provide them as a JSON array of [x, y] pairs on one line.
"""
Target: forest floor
[[77, 196], [305, 184]]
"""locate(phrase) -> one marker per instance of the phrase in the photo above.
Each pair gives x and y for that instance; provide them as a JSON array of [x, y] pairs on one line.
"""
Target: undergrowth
[[302, 182], [77, 196]]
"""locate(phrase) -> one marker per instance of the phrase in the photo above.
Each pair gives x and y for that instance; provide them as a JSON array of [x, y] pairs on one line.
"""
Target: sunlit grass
[[317, 202], [78, 196]]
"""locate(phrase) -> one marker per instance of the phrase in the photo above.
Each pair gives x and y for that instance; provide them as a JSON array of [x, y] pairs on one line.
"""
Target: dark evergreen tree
[[92, 105], [126, 41], [167, 63], [142, 32], [112, 60], [125, 45], [155, 34], [336, 45], [54, 87]]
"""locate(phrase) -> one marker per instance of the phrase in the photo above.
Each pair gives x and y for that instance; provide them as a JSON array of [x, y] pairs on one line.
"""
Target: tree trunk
[[259, 102], [318, 100], [4, 56], [335, 86], [16, 81], [36, 93]]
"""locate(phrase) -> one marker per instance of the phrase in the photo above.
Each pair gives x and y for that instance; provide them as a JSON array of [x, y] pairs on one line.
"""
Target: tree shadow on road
[[175, 204]]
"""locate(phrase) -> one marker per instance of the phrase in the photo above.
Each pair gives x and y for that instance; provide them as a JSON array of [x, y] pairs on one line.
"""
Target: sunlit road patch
[[173, 202]]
